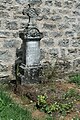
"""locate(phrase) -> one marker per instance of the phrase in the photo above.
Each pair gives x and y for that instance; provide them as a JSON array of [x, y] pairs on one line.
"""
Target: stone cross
[[31, 13]]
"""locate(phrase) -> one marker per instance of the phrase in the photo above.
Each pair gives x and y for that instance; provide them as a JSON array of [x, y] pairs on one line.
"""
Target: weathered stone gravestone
[[28, 56]]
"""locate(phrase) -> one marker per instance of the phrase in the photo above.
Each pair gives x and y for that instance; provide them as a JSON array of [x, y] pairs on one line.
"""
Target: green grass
[[75, 79], [12, 111], [76, 118], [72, 93], [50, 118]]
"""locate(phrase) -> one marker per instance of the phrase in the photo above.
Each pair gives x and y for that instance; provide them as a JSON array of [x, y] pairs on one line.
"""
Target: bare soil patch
[[27, 96]]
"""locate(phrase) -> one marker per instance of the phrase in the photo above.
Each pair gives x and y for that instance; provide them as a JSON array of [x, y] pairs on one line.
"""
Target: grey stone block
[[78, 34], [62, 53], [4, 14], [69, 19], [0, 23], [77, 5], [35, 2], [54, 52], [49, 42], [63, 65], [11, 25], [56, 17], [5, 55], [68, 4], [76, 12], [45, 34], [4, 79], [72, 51], [46, 11], [10, 43], [14, 8], [40, 17], [20, 16], [4, 34], [79, 41], [58, 4], [45, 17], [29, 1], [63, 26], [2, 7], [22, 25], [75, 43], [53, 11], [64, 43], [22, 1], [76, 27], [69, 33], [6, 1], [3, 68], [15, 34], [49, 26], [48, 2], [76, 63], [56, 34]]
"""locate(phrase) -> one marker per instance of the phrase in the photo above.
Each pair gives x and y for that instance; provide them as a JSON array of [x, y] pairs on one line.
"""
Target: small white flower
[[31, 101]]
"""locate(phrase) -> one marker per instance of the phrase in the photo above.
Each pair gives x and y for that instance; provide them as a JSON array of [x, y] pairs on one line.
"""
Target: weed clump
[[62, 108], [75, 79]]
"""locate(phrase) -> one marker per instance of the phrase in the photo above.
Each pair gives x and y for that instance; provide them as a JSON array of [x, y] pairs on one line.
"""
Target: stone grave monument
[[27, 64]]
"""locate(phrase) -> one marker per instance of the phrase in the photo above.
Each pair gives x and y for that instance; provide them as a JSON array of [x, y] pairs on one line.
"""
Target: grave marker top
[[31, 13]]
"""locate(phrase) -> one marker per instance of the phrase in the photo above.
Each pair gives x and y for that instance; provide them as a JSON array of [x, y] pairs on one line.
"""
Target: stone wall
[[59, 20]]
